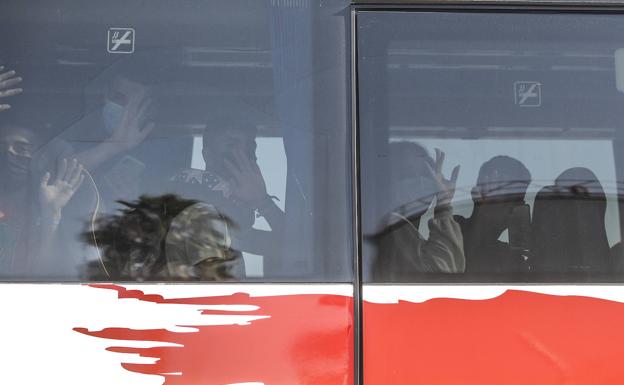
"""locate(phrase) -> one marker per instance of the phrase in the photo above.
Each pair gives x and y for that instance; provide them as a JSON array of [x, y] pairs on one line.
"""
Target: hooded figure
[[569, 234], [402, 252], [499, 205]]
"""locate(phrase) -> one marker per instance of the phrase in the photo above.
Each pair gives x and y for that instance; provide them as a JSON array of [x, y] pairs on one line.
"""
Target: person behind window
[[569, 233], [8, 81], [402, 252], [198, 230], [499, 205], [107, 137], [233, 183], [31, 208]]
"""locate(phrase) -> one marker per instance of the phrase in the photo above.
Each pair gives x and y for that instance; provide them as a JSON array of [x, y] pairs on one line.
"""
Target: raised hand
[[446, 187], [54, 196], [248, 183], [8, 81], [134, 126]]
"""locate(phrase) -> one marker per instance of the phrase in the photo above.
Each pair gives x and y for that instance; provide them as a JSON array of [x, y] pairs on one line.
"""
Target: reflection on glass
[[165, 238]]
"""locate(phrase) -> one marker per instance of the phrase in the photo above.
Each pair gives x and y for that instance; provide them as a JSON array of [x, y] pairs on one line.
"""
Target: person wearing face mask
[[233, 186], [31, 208], [569, 231], [498, 206], [108, 139], [402, 252]]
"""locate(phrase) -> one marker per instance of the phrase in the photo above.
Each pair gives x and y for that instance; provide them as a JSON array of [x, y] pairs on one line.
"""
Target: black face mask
[[15, 164]]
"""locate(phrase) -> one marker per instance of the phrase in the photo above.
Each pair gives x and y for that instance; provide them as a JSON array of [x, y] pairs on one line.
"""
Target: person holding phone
[[499, 205]]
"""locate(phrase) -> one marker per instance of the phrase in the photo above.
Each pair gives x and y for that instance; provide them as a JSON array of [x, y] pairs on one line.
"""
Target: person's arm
[[444, 250], [8, 81], [53, 197], [267, 242], [249, 187]]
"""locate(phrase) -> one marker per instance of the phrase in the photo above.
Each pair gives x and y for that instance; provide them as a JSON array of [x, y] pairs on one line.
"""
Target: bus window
[[153, 142], [491, 146]]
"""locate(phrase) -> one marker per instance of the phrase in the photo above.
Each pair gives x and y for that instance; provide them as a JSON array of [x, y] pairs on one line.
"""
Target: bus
[[247, 192]]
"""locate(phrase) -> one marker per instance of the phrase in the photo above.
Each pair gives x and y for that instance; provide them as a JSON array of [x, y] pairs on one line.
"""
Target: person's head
[[17, 146], [411, 177], [503, 179], [224, 142], [124, 83], [580, 182], [119, 94]]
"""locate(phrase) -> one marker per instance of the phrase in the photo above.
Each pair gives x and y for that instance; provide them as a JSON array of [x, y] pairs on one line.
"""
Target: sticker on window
[[121, 40]]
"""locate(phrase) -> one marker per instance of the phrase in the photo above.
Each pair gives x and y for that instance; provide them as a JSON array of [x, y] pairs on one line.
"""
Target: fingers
[[144, 107], [6, 75], [71, 169], [6, 81], [80, 180], [75, 174], [454, 176], [11, 92], [61, 170], [439, 162], [147, 129], [135, 105], [45, 179], [10, 82]]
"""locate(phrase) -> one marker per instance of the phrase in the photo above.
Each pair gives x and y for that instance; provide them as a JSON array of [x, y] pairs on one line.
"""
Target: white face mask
[[414, 195], [113, 114]]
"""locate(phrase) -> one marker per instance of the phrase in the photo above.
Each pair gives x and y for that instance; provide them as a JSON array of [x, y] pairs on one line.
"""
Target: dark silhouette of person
[[569, 234], [498, 206], [402, 252]]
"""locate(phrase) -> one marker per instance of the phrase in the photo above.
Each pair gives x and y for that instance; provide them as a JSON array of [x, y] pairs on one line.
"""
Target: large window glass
[[202, 140], [491, 146]]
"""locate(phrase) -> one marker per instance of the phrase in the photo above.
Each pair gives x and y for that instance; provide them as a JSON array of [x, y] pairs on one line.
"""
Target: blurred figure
[[165, 238], [499, 205], [105, 140], [402, 252], [199, 230], [8, 81], [233, 183], [569, 234], [31, 208]]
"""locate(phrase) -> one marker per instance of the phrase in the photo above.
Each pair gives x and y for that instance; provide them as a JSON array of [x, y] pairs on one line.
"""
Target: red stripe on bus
[[306, 339], [518, 338]]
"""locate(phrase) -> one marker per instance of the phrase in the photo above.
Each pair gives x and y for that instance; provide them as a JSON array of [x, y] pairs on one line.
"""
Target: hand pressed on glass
[[8, 81]]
